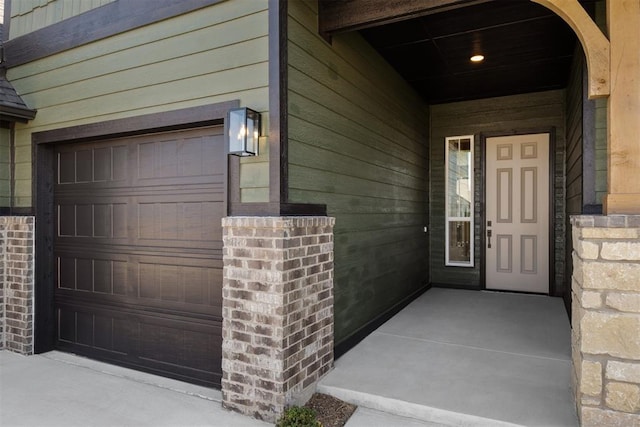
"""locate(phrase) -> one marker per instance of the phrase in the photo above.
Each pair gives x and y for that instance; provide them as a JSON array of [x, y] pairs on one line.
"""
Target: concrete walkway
[[58, 389], [464, 358]]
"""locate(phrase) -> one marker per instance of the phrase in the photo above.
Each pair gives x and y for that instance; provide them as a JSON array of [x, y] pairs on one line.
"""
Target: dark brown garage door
[[138, 252]]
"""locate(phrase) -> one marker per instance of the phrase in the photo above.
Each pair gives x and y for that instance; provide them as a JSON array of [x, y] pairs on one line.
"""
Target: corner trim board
[[278, 135]]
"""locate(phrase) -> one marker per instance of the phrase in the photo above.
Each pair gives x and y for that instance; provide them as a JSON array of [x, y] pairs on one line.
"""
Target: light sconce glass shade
[[243, 132]]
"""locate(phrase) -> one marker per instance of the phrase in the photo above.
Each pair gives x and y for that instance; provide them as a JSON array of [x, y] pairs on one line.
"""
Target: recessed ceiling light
[[477, 58]]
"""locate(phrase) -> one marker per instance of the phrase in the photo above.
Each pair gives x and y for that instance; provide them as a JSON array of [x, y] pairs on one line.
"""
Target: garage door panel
[[104, 162], [92, 219], [147, 282], [166, 220], [196, 312], [180, 220], [179, 285], [192, 349], [94, 327], [91, 273], [171, 346], [138, 251], [135, 255], [175, 160]]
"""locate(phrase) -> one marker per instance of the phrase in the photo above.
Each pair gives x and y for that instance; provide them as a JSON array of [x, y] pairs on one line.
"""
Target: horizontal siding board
[[252, 174], [369, 242], [254, 195], [209, 44], [29, 16], [357, 111], [325, 118], [574, 159], [576, 191], [154, 75], [317, 138], [349, 51], [375, 221], [358, 142], [601, 181], [327, 182], [222, 60], [212, 55], [504, 116], [490, 104], [206, 19], [203, 86], [340, 204], [312, 157], [601, 160], [346, 82]]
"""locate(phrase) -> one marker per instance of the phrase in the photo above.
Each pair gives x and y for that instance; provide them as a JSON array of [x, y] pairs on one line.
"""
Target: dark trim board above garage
[[205, 115]]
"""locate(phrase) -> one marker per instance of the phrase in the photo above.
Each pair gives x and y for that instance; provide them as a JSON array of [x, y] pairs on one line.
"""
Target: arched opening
[[511, 93]]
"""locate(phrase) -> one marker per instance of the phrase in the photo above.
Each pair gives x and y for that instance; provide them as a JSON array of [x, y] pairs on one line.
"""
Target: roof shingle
[[12, 107]]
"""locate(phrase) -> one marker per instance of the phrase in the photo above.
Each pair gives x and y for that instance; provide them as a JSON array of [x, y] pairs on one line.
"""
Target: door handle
[[489, 239]]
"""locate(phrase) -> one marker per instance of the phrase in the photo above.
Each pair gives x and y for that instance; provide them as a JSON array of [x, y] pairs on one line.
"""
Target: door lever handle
[[489, 239]]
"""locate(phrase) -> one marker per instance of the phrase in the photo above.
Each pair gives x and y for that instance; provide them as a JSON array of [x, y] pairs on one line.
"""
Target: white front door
[[517, 213]]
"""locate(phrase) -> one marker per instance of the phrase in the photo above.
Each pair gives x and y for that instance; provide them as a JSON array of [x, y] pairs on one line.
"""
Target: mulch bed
[[331, 412]]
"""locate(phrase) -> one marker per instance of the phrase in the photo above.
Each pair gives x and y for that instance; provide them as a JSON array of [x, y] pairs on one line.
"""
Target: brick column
[[606, 319], [16, 283], [277, 311]]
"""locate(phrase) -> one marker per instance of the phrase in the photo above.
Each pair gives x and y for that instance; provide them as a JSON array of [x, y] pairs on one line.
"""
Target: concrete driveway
[[58, 389]]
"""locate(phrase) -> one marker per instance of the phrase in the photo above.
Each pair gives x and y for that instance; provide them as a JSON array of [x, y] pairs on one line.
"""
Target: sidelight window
[[459, 201]]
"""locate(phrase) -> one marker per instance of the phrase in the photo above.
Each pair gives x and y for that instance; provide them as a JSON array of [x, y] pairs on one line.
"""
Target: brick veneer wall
[[606, 319], [16, 283], [277, 311]]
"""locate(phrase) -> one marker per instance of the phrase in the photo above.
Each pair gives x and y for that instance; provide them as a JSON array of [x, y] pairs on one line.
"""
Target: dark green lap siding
[[358, 143]]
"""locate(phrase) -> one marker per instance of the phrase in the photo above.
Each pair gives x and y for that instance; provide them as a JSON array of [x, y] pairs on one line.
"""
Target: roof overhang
[[12, 106], [14, 114]]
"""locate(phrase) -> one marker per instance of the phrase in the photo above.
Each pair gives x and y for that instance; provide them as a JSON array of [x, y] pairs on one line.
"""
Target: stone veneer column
[[277, 311], [16, 283], [606, 319]]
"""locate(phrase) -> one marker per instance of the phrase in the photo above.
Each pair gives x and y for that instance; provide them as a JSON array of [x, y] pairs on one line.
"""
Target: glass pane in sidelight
[[460, 242]]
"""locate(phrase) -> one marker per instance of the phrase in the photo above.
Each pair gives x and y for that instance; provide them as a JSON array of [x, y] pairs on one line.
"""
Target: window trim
[[470, 219]]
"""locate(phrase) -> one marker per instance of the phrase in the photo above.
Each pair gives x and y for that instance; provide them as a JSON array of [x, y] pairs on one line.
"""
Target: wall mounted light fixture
[[243, 131]]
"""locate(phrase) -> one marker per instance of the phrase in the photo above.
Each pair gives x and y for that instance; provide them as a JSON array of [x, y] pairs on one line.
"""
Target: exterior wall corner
[[277, 311]]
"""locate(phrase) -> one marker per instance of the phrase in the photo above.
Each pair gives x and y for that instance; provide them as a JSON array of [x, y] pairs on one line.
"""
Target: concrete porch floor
[[465, 358]]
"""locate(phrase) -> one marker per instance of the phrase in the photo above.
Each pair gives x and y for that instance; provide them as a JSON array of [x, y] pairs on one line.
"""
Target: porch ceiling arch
[[594, 43]]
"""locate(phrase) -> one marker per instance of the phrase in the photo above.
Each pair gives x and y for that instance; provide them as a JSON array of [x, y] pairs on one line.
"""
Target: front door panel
[[517, 213]]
